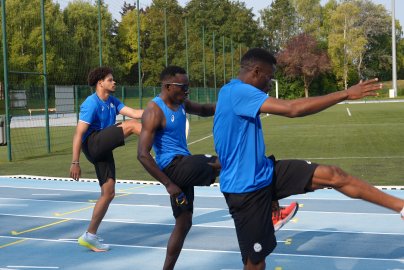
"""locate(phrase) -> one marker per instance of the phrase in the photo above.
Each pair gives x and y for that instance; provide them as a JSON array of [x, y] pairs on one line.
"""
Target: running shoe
[[281, 215], [92, 243]]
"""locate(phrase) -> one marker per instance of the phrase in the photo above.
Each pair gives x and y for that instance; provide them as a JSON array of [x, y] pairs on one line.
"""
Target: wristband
[[75, 162]]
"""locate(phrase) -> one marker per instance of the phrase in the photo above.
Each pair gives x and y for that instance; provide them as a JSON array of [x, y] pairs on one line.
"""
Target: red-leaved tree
[[303, 58]]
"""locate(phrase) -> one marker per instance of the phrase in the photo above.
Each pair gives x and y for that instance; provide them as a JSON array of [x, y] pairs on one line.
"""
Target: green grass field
[[368, 144]]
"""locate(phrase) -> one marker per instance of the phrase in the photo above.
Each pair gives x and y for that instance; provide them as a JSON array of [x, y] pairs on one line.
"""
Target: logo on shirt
[[111, 105], [172, 118], [308, 162], [257, 247], [183, 111], [102, 108]]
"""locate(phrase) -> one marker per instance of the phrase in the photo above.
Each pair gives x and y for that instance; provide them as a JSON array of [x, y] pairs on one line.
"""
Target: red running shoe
[[281, 215]]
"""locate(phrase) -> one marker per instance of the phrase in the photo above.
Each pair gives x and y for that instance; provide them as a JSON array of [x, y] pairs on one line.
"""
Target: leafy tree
[[308, 16], [279, 23], [127, 46], [24, 34], [81, 18], [303, 58], [346, 40], [154, 38], [400, 59], [375, 21], [228, 20], [126, 8]]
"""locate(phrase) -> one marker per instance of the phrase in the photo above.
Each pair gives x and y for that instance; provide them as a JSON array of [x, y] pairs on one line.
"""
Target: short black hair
[[257, 55], [171, 71], [98, 74]]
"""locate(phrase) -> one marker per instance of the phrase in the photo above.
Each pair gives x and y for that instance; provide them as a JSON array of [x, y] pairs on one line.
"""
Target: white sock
[[91, 235], [402, 213]]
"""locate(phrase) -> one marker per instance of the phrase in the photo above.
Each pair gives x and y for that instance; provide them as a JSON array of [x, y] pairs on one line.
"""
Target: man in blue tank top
[[97, 135], [249, 180], [163, 128]]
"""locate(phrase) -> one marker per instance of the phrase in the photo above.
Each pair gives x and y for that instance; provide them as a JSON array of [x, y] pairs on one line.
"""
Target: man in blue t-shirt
[[98, 135], [164, 122], [249, 180]]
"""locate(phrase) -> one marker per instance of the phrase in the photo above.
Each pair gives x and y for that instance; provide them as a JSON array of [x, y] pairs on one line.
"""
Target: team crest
[[172, 118]]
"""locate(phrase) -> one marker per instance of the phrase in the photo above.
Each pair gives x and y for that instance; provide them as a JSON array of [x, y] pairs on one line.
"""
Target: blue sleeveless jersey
[[170, 141]]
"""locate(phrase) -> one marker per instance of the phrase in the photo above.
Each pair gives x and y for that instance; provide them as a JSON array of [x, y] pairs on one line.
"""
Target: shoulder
[[153, 108], [115, 99], [152, 115], [90, 101]]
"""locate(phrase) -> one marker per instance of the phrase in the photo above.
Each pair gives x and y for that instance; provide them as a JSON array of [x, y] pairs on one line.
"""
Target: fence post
[[5, 64], [76, 103], [45, 76]]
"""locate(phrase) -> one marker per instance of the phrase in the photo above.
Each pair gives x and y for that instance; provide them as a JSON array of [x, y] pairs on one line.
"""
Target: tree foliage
[[303, 58], [356, 35], [279, 22]]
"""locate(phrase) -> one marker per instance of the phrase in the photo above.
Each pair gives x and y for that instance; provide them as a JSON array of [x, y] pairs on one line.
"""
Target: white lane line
[[45, 194], [229, 251], [204, 138], [339, 158], [32, 267], [349, 112], [13, 204], [223, 226], [67, 239], [338, 257]]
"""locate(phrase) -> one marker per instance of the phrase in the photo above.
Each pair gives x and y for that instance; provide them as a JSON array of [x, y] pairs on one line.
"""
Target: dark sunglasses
[[184, 87]]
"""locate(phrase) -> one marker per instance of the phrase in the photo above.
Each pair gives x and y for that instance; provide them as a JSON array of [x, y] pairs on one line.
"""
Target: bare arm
[[306, 106], [132, 113], [152, 120], [75, 170], [199, 109]]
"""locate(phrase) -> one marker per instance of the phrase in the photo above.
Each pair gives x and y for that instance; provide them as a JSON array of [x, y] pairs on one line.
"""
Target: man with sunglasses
[[163, 127]]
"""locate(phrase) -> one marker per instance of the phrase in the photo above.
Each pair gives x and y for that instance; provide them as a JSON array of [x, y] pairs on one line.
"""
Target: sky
[[256, 5]]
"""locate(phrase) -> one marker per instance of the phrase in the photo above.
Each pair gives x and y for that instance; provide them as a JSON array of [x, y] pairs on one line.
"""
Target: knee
[[136, 127], [108, 195]]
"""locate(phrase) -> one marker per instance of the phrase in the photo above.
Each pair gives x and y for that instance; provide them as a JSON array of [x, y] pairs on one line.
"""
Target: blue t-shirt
[[238, 139], [171, 140], [99, 114]]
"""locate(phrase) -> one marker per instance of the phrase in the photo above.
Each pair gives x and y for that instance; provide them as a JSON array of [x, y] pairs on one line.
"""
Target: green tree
[[376, 23], [81, 18], [279, 22], [346, 40], [24, 35], [308, 16], [228, 20], [127, 46], [154, 38]]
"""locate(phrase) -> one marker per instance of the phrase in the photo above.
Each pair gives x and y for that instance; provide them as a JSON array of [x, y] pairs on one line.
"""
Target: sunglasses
[[184, 87]]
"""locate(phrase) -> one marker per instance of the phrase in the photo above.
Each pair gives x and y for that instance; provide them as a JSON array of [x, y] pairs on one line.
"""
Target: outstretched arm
[[132, 113], [306, 106], [199, 109], [152, 120]]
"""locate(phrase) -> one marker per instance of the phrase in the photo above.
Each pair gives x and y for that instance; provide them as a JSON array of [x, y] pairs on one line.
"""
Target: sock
[[91, 235], [402, 213]]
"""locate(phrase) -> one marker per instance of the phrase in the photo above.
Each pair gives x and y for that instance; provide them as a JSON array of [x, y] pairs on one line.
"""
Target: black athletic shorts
[[252, 212], [187, 172], [98, 148]]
